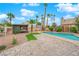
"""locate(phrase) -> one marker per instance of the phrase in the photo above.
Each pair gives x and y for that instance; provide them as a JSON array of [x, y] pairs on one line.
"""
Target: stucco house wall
[[67, 23]]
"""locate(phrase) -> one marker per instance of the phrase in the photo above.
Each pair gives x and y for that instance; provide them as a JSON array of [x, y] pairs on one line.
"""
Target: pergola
[[22, 27]]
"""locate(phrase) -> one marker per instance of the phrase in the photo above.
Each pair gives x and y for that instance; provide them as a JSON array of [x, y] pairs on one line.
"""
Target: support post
[[5, 30]]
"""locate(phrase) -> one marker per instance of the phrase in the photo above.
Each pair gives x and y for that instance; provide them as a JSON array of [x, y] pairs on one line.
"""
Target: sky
[[26, 11]]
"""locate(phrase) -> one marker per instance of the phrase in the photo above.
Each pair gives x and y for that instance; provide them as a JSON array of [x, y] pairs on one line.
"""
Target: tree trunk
[[31, 27], [10, 20], [42, 24], [36, 25], [47, 22], [44, 18]]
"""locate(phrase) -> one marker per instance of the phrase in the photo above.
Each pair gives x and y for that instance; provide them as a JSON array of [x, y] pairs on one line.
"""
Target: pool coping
[[76, 43]]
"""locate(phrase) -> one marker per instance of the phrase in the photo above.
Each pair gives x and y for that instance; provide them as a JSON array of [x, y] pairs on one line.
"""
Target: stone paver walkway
[[44, 46], [7, 40]]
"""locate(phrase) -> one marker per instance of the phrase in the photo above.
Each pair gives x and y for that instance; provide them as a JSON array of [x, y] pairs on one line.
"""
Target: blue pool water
[[64, 35]]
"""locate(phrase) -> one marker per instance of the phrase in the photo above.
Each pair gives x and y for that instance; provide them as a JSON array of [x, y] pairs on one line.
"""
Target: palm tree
[[48, 15], [45, 7], [42, 21], [31, 21], [10, 16], [36, 21], [54, 24], [54, 17]]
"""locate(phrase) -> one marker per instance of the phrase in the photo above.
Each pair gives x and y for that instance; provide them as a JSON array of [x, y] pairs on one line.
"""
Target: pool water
[[64, 35]]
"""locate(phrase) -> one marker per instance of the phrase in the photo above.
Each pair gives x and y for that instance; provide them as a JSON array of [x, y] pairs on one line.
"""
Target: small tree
[[51, 28], [77, 22], [73, 29], [59, 29]]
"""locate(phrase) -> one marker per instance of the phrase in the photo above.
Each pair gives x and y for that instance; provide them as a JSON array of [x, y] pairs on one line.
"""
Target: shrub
[[14, 42], [73, 29], [1, 30], [16, 31], [51, 28], [2, 47], [59, 29]]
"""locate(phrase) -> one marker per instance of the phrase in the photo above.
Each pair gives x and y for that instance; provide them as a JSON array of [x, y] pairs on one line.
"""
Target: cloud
[[20, 18], [68, 16], [33, 4], [57, 21], [3, 16], [77, 13], [67, 7], [26, 12], [24, 5]]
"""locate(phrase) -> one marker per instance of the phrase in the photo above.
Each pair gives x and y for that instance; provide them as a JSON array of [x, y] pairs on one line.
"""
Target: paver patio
[[7, 40], [44, 46]]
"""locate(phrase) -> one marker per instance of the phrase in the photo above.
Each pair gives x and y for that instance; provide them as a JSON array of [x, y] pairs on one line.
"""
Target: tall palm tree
[[36, 21], [42, 21], [48, 15], [54, 24], [31, 21], [10, 16], [54, 17], [45, 8]]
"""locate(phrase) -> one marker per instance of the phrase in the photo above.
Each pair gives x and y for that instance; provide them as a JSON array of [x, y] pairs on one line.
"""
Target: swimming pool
[[64, 35]]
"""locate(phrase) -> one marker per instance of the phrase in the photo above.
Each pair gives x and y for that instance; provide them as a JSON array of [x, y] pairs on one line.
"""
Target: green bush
[[2, 47], [73, 29], [1, 30], [16, 31], [14, 42], [59, 29], [51, 28]]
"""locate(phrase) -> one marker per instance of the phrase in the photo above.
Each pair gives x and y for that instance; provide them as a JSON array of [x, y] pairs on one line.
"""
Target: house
[[67, 23]]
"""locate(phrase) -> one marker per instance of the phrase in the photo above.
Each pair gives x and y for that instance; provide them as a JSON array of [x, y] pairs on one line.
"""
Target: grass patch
[[14, 41], [31, 37], [35, 33]]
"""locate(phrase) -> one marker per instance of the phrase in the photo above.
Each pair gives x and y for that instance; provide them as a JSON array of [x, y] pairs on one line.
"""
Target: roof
[[19, 24], [69, 21]]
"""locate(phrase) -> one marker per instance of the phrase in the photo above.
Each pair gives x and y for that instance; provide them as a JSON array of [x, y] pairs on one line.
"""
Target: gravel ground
[[44, 46]]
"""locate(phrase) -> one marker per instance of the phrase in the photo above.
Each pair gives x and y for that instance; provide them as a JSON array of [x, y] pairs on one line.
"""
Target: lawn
[[36, 33], [31, 37]]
